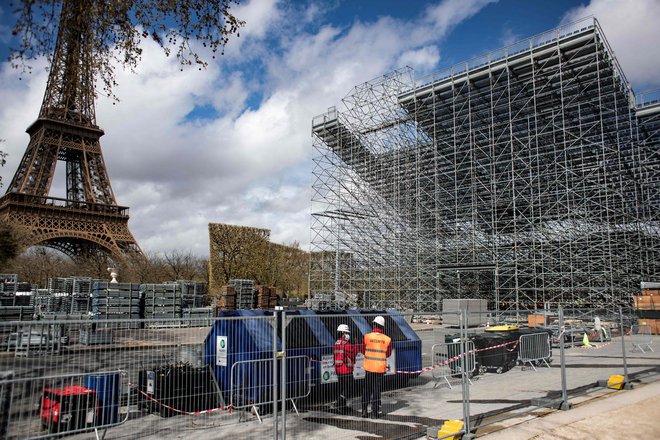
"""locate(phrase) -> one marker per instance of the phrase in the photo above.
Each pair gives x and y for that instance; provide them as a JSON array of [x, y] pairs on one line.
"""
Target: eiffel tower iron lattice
[[88, 219]]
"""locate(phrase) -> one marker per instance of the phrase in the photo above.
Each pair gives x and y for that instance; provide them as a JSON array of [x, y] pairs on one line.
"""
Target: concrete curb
[[635, 412]]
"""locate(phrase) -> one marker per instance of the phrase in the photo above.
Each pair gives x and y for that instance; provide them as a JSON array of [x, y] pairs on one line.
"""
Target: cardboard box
[[646, 302], [536, 320]]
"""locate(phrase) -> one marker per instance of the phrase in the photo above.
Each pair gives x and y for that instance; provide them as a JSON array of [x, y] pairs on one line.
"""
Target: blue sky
[[232, 143]]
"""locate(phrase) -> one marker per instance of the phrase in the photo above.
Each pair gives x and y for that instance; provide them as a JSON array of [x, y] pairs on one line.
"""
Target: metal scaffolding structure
[[527, 177]]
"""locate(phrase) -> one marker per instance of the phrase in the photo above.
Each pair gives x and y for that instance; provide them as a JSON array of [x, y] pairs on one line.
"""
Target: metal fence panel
[[447, 361], [642, 338], [180, 374], [535, 349], [52, 406]]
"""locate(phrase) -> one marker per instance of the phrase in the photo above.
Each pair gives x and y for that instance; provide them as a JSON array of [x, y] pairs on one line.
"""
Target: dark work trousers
[[373, 382], [345, 389]]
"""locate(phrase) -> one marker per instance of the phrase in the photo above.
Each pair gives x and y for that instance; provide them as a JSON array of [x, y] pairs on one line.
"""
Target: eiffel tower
[[88, 220]]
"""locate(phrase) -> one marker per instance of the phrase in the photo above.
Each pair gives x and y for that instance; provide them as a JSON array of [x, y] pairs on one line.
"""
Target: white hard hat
[[343, 328], [380, 321]]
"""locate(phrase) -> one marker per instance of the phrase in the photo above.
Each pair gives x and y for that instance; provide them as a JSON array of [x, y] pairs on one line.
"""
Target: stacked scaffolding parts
[[524, 177]]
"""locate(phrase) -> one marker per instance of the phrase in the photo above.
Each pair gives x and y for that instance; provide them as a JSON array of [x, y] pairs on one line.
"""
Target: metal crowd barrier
[[55, 406], [642, 337], [441, 355], [34, 339], [534, 349], [251, 382]]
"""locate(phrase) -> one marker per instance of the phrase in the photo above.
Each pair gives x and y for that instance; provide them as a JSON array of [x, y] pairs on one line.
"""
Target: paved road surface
[[629, 414]]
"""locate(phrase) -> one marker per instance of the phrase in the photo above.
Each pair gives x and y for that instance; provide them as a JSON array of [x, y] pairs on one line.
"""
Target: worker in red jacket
[[377, 348], [344, 354]]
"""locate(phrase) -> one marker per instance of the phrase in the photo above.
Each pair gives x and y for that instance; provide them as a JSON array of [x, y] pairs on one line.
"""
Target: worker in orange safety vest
[[344, 356], [377, 348]]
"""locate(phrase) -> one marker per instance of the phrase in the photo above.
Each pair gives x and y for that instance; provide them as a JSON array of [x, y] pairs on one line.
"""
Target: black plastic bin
[[182, 387], [500, 359]]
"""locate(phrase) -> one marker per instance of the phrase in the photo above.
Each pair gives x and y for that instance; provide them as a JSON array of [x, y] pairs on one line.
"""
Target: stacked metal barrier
[[244, 290], [161, 301], [116, 301], [193, 294], [15, 306]]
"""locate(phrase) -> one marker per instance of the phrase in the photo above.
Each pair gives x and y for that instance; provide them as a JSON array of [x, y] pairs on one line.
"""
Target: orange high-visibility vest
[[375, 352]]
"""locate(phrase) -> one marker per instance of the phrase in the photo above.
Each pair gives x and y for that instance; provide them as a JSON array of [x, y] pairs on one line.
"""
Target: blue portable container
[[406, 344], [232, 341], [409, 349], [310, 337], [358, 326], [107, 388]]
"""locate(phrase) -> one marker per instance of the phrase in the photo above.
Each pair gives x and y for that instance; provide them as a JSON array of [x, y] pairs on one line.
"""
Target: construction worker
[[344, 354], [377, 348]]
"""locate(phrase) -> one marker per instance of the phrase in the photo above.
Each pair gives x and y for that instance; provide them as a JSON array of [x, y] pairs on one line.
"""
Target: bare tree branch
[[118, 27]]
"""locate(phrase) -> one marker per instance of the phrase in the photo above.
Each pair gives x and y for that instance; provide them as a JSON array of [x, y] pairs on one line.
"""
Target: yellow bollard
[[615, 382], [451, 427]]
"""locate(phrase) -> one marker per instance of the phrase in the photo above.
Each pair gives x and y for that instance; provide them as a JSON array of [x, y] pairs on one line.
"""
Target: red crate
[[67, 409]]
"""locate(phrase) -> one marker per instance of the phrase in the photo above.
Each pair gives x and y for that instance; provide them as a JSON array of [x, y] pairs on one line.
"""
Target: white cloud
[[443, 16], [422, 59], [631, 28], [259, 16], [250, 163], [509, 37], [21, 100]]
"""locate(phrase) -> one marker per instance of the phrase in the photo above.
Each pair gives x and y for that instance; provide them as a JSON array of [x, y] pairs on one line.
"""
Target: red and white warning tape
[[455, 358], [593, 347], [229, 407], [191, 413]]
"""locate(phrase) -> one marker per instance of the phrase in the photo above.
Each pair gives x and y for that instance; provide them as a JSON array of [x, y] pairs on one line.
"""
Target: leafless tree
[[180, 265], [114, 30]]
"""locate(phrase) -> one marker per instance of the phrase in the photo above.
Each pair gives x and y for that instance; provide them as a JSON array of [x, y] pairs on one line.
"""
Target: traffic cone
[[585, 341]]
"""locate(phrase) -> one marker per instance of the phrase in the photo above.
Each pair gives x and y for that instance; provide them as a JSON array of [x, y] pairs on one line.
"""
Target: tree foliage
[[241, 252], [237, 252], [12, 241], [115, 29]]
